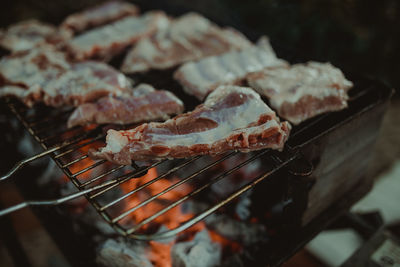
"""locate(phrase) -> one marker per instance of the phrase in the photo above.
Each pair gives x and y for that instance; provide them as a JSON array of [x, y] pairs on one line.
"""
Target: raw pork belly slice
[[28, 34], [44, 75], [109, 40], [99, 15], [302, 91], [188, 37], [25, 73], [232, 118], [85, 82], [201, 77], [144, 103]]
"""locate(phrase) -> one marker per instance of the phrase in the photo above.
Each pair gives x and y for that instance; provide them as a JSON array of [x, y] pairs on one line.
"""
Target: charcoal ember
[[199, 252], [244, 232], [122, 252]]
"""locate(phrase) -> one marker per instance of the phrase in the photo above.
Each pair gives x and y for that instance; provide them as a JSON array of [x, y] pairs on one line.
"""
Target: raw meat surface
[[28, 34], [189, 37], [232, 118], [85, 82], [144, 103], [199, 78], [44, 75], [302, 91], [106, 41], [99, 15], [24, 74]]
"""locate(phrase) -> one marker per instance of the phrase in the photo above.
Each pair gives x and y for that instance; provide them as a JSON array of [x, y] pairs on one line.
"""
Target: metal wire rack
[[68, 148], [97, 179]]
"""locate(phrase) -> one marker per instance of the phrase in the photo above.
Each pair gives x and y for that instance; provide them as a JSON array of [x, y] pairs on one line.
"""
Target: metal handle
[[23, 162], [54, 202]]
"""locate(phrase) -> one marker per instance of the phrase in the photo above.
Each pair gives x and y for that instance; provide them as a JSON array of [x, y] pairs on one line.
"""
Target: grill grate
[[68, 148]]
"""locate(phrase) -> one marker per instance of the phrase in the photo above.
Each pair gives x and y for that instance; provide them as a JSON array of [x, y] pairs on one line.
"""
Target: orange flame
[[160, 254], [172, 218], [224, 242]]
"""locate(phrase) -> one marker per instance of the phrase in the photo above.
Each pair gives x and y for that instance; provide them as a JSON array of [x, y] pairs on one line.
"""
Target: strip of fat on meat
[[143, 103], [231, 118], [302, 91], [200, 77]]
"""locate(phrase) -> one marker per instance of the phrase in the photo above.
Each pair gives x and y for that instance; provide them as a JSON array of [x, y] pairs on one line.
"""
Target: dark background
[[357, 35]]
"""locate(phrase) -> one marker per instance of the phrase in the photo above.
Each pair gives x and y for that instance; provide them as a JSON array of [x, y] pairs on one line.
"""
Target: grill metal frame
[[36, 125], [86, 138]]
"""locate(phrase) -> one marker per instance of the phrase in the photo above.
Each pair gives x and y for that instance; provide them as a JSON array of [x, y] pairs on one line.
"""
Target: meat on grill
[[302, 91], [106, 41], [186, 38], [28, 34], [199, 78], [144, 103], [231, 118], [99, 15], [30, 71], [44, 75]]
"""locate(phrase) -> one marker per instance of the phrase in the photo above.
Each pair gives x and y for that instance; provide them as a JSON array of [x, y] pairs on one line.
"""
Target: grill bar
[[104, 187], [194, 175], [148, 183], [79, 146], [88, 168], [70, 154], [195, 192], [201, 216], [102, 175], [47, 119], [22, 163], [125, 178], [57, 201]]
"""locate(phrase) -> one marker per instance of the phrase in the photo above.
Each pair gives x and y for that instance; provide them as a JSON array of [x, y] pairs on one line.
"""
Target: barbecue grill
[[299, 169], [59, 143]]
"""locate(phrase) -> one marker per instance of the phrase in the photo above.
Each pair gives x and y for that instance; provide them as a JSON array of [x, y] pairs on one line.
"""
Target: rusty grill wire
[[61, 143]]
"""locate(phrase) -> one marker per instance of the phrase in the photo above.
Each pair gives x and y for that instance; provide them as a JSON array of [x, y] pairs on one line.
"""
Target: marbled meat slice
[[189, 37], [199, 78], [44, 75], [99, 15], [31, 71], [231, 118], [302, 91], [85, 82], [106, 41], [144, 103], [28, 34]]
